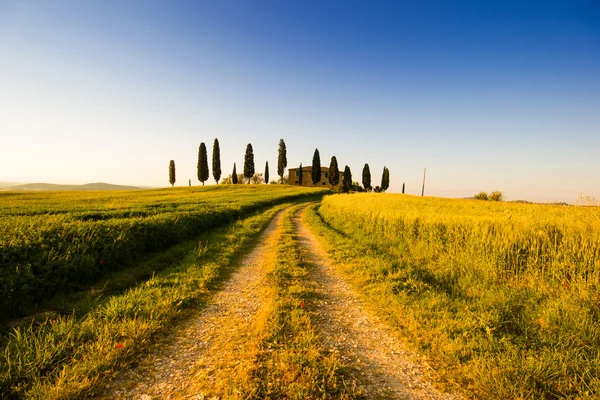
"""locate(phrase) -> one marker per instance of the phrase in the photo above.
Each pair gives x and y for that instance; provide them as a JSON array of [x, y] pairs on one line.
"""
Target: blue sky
[[485, 94]]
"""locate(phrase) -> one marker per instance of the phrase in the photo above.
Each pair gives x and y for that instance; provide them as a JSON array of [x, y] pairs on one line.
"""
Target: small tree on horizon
[[172, 173], [202, 164], [267, 172], [385, 179], [234, 177], [366, 177], [496, 195], [347, 180], [316, 167], [334, 172], [403, 186], [216, 161], [257, 179], [249, 162], [300, 175], [281, 159]]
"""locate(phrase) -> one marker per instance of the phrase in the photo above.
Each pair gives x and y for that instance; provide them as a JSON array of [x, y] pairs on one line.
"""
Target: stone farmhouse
[[307, 177]]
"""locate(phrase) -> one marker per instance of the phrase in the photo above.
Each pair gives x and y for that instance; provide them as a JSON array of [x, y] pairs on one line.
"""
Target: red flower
[[101, 262], [120, 346], [302, 304], [566, 285]]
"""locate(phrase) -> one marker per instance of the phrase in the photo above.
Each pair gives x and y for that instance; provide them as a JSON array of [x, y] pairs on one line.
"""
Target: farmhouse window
[[296, 175]]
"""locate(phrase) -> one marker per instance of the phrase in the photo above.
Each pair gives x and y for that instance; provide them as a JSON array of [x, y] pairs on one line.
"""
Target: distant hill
[[87, 186]]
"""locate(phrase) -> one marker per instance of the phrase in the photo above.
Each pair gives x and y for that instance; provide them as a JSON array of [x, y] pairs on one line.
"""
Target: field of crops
[[503, 297], [61, 241]]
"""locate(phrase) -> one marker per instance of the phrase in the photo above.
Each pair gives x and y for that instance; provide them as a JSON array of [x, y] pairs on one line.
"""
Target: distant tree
[[403, 187], [202, 164], [227, 180], [267, 172], [366, 177], [496, 196], [300, 174], [190, 182], [377, 189], [234, 176], [347, 180], [385, 179], [240, 179], [334, 172], [481, 196], [281, 159], [316, 167], [249, 162], [257, 179], [216, 161], [172, 173]]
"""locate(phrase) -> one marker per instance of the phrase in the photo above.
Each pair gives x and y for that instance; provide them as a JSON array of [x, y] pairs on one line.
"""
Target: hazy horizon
[[495, 95]]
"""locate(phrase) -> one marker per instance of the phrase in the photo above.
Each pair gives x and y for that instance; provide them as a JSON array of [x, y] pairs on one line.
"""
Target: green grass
[[71, 356], [60, 242], [502, 298]]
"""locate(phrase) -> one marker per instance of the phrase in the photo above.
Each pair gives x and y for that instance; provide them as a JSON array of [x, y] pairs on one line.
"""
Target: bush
[[496, 196], [481, 196]]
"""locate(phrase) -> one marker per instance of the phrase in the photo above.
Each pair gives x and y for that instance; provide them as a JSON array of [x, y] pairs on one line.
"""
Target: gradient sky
[[485, 94]]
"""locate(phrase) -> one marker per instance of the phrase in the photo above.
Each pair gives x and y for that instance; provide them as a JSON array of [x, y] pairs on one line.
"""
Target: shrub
[[481, 196], [496, 196]]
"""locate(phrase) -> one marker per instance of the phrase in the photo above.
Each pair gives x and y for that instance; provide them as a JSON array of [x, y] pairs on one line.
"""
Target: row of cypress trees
[[249, 170], [347, 184]]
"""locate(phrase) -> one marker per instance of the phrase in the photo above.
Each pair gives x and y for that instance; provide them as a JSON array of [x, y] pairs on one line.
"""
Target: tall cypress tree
[[234, 179], [300, 174], [172, 173], [366, 177], [281, 160], [334, 172], [267, 172], [385, 179], [347, 180], [316, 167], [249, 163], [216, 161], [202, 164]]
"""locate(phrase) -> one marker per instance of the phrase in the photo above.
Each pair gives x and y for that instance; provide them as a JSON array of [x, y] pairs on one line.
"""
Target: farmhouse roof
[[309, 168]]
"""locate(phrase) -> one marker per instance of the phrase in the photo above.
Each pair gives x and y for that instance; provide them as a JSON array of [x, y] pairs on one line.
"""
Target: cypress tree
[[234, 178], [403, 187], [281, 159], [267, 172], [316, 167], [366, 177], [216, 161], [202, 164], [300, 175], [347, 180], [334, 172], [385, 179], [249, 163], [172, 173]]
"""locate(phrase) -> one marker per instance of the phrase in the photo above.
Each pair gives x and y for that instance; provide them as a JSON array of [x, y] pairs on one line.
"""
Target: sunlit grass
[[504, 298]]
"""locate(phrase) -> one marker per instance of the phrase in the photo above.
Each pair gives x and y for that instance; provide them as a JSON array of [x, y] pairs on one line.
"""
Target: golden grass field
[[503, 297]]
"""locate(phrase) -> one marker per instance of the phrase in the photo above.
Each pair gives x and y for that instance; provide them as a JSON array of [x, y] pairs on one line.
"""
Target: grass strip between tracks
[[283, 357]]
